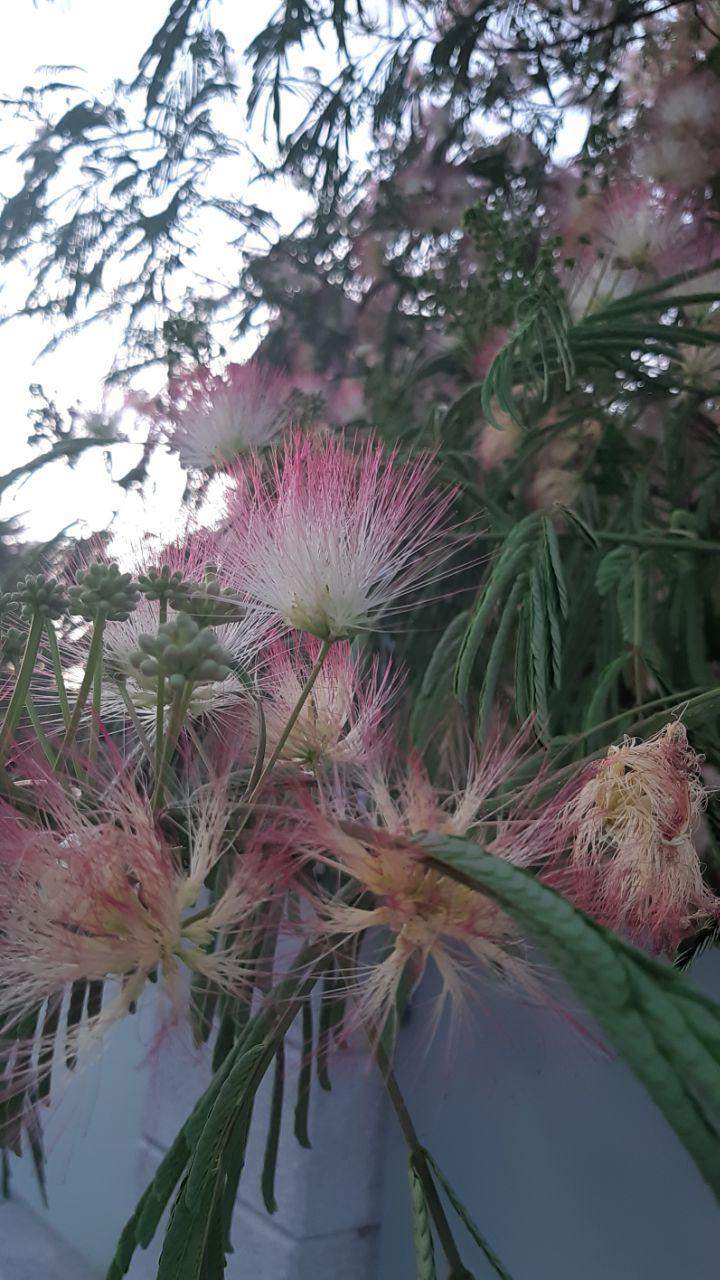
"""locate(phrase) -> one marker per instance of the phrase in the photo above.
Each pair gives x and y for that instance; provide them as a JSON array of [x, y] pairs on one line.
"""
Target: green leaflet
[[498, 654], [302, 1101], [141, 1227], [273, 1134], [512, 559], [430, 705], [537, 351], [644, 1007], [529, 568], [188, 1251], [467, 1221], [421, 1228], [595, 712]]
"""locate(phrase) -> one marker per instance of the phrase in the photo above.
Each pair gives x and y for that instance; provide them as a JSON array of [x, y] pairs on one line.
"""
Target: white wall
[[568, 1168]]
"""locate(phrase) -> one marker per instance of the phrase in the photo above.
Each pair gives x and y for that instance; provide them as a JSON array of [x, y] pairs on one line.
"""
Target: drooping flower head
[[212, 418], [341, 721], [629, 829], [330, 538], [424, 917]]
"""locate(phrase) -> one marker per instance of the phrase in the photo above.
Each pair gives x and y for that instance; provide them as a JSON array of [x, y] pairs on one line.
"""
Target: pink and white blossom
[[330, 538], [343, 721], [630, 831], [425, 917], [212, 418]]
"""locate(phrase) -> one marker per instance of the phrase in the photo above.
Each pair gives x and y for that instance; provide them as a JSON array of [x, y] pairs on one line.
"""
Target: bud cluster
[[212, 603], [103, 589], [13, 645], [38, 594], [166, 585], [183, 652]]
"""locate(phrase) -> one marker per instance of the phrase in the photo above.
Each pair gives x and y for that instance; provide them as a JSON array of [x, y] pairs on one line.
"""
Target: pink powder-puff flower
[[688, 106], [330, 539], [425, 918], [497, 442], [341, 722], [629, 829], [639, 231], [212, 418], [95, 894], [680, 164]]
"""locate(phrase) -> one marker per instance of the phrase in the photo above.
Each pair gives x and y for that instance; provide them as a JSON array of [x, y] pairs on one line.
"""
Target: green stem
[[58, 671], [160, 703], [670, 542], [40, 732], [304, 695], [133, 716], [637, 624], [178, 711], [659, 540], [22, 684], [418, 1156], [87, 680], [97, 693]]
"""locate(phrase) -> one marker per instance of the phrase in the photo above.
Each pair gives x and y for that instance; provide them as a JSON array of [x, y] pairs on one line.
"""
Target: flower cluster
[[227, 764]]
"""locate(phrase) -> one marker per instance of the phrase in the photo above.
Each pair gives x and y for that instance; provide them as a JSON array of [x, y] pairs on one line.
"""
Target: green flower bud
[[183, 653], [165, 585], [37, 593], [103, 589]]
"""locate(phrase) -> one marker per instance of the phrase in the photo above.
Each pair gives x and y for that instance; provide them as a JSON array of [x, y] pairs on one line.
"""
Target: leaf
[[588, 534], [141, 1227], [184, 1253], [668, 1034], [467, 1221], [513, 557], [421, 1228], [613, 567], [302, 1102], [523, 673], [234, 1164], [498, 654], [539, 650], [430, 704], [596, 707], [556, 565], [273, 1133]]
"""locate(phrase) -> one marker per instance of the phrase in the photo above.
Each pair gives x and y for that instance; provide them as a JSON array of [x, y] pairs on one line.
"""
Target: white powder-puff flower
[[212, 418], [330, 538]]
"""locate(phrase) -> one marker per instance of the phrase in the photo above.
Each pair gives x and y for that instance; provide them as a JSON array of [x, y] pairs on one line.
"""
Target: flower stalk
[[22, 684]]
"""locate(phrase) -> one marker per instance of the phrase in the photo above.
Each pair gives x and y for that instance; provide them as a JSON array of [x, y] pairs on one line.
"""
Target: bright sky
[[105, 40]]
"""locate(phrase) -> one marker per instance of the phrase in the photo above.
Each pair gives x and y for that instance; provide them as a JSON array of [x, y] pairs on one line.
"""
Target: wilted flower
[[214, 417], [424, 915], [341, 720], [331, 539], [91, 896], [629, 829]]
